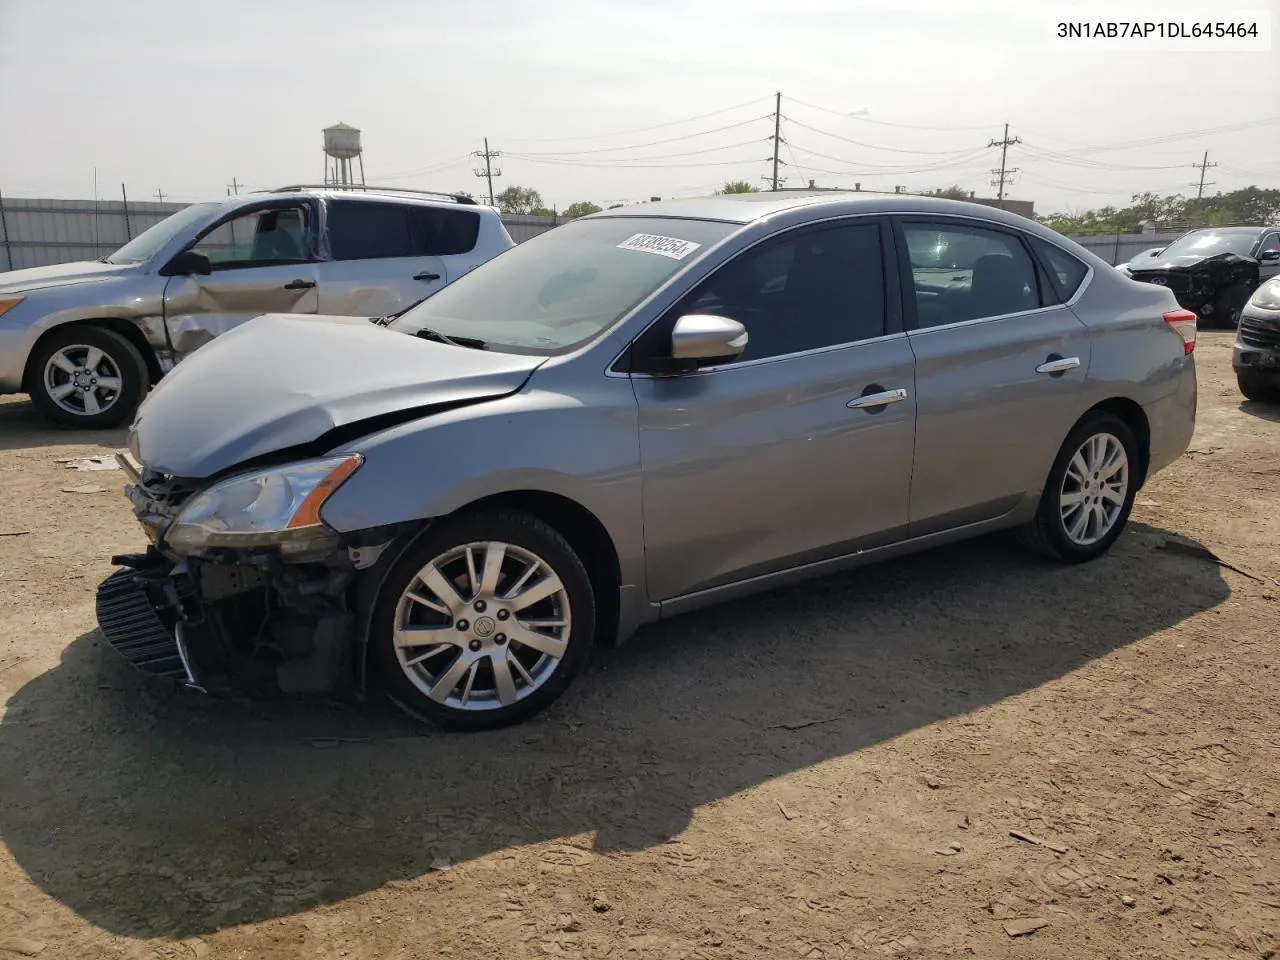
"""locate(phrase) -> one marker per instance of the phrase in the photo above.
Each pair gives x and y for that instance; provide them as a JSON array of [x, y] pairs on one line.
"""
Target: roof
[[749, 207], [342, 126]]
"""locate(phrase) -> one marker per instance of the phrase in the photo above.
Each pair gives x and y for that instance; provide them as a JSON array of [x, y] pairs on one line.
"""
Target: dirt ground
[[835, 770]]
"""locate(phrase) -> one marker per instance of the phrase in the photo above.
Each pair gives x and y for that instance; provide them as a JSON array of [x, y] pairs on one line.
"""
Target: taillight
[[1183, 323]]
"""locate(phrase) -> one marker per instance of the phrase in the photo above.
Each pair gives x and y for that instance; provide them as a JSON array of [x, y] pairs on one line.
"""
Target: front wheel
[[1089, 494], [1259, 387], [86, 376], [484, 621]]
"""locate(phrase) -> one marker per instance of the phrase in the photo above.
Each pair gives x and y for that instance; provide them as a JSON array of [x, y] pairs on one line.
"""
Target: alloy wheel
[[1094, 489], [482, 626], [83, 380]]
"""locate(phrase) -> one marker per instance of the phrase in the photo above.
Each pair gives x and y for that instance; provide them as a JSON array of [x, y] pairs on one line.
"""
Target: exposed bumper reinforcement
[[131, 624]]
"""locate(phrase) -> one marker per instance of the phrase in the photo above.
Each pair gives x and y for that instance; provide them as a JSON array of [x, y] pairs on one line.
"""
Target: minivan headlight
[[1267, 296], [278, 506]]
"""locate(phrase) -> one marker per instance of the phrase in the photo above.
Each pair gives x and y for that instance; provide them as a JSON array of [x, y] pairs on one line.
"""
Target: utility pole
[[1003, 175], [234, 187], [777, 134], [159, 195], [488, 156], [124, 206], [1202, 166]]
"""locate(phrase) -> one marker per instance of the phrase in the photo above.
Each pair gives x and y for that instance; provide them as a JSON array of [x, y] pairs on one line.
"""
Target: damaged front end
[[1215, 288], [243, 586]]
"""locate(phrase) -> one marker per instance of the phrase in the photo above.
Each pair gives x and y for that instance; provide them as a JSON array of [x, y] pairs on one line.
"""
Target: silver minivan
[[87, 340], [634, 415]]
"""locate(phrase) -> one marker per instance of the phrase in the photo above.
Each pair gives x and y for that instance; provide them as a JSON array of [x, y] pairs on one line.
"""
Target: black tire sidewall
[[1259, 387], [1050, 507], [125, 356], [522, 530]]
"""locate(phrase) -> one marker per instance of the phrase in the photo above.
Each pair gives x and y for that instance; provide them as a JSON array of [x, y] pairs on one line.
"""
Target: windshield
[[1207, 243], [144, 245], [566, 286]]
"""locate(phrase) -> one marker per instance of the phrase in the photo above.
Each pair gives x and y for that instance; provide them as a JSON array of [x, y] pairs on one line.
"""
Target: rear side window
[[363, 230], [961, 273], [441, 232], [1066, 273]]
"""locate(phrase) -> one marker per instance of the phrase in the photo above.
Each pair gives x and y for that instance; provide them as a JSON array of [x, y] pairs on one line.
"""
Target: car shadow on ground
[[1263, 411], [22, 427], [158, 813]]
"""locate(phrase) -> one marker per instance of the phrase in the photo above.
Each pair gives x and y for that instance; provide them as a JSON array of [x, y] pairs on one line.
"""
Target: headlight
[[1267, 296], [8, 303], [280, 506]]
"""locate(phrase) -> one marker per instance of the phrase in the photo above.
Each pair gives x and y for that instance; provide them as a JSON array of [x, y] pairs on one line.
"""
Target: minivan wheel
[[1260, 387], [88, 377], [1089, 494], [484, 622]]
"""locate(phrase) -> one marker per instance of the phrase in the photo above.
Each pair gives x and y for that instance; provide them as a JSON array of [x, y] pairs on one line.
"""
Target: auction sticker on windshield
[[671, 247]]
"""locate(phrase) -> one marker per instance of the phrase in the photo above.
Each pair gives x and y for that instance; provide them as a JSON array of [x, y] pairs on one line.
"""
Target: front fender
[[584, 448]]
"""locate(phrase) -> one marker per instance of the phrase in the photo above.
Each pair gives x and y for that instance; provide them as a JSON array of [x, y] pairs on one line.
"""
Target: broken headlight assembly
[[276, 507]]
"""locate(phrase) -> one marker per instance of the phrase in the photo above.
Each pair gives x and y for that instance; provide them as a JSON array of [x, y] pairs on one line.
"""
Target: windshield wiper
[[472, 342]]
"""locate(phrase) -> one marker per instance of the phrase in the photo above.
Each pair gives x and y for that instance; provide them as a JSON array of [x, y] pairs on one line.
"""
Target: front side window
[[258, 238], [961, 272], [566, 286], [148, 243], [802, 291], [366, 230]]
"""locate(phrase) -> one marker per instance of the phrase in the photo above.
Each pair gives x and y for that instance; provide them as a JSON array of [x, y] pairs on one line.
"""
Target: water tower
[[341, 146]]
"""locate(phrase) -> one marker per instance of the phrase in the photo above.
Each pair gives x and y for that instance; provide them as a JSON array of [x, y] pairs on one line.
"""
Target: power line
[[488, 172], [624, 133], [884, 123], [629, 166], [1051, 156], [641, 146], [1202, 166], [896, 168], [872, 146], [623, 161], [1174, 137]]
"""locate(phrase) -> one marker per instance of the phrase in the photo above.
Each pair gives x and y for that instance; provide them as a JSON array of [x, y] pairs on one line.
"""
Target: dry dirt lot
[[676, 804]]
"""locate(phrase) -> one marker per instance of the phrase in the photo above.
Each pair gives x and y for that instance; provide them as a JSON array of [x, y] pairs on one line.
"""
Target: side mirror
[[1269, 256], [189, 263], [703, 337]]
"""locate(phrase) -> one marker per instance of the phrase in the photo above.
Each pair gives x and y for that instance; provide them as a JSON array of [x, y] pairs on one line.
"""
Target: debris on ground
[[1028, 838], [1025, 926], [104, 462]]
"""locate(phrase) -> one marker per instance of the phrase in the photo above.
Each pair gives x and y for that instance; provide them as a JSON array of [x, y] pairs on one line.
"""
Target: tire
[[1229, 304], [1053, 532], [1259, 387], [460, 631], [75, 345]]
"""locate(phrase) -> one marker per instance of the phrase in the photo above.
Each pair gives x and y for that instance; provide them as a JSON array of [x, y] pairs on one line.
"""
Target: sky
[[610, 102]]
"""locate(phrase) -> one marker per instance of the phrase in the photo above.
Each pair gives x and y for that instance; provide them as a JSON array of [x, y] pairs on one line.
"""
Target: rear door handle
[[872, 401], [299, 284], [426, 277], [1056, 365]]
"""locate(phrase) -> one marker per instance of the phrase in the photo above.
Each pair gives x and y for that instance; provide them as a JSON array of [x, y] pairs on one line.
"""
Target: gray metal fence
[[37, 232]]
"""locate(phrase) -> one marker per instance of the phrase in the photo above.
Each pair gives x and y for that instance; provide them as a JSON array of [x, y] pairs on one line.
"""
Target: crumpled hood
[[282, 380], [59, 274], [1188, 262]]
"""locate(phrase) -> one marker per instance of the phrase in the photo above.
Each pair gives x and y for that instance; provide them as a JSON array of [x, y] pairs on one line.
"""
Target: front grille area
[[129, 621], [1177, 282], [1257, 333]]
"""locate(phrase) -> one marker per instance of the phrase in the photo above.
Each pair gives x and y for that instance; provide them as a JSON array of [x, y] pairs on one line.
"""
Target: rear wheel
[[484, 622], [1261, 387], [1089, 493], [87, 376]]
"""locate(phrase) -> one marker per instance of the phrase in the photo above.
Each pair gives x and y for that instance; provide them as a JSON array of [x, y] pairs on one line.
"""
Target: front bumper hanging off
[[132, 624]]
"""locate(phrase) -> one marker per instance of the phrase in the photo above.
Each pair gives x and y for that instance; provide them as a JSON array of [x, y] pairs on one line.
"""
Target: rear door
[[1000, 367], [376, 264], [263, 261]]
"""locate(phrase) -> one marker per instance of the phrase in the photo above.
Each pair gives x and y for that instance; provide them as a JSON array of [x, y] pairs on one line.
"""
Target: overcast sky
[[182, 97]]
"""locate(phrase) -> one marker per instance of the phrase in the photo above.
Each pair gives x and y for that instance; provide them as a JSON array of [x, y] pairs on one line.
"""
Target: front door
[[1000, 365], [799, 450], [375, 266], [1269, 268], [263, 261]]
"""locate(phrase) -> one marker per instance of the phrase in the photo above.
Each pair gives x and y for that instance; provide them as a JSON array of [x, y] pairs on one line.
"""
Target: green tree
[[542, 212], [580, 209], [738, 186], [518, 200], [955, 192]]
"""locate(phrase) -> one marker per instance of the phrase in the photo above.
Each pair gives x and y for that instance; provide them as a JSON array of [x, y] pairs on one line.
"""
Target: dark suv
[[1256, 356]]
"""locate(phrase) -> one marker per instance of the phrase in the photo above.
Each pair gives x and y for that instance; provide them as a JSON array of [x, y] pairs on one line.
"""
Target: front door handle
[[874, 401], [426, 277], [1058, 365], [299, 284]]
